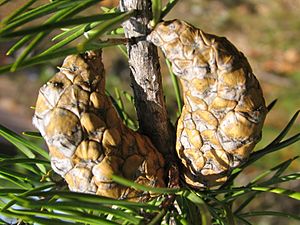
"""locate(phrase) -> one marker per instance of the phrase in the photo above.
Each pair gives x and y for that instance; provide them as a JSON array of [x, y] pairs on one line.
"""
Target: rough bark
[[146, 78]]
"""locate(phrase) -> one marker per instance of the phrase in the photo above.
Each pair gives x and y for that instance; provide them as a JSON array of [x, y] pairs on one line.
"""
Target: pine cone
[[224, 108], [86, 138]]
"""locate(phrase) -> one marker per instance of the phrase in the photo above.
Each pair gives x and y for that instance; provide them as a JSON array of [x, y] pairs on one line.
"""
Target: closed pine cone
[[224, 108], [86, 138]]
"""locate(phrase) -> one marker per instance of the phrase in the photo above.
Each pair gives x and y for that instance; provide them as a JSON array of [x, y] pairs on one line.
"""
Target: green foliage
[[60, 15], [176, 88], [31, 193]]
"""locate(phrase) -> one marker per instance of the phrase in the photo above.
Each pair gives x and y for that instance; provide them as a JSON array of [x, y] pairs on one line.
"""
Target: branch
[[146, 78]]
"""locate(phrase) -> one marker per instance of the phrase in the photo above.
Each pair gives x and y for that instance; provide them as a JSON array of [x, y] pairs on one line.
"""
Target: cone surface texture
[[86, 138], [224, 108]]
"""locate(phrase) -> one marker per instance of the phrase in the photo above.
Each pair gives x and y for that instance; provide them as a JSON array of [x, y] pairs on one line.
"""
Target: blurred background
[[267, 32]]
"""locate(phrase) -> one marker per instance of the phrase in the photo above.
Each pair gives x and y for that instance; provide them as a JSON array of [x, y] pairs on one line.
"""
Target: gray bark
[[146, 78]]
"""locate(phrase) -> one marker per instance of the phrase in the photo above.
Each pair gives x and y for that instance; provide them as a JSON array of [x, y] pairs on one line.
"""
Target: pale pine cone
[[86, 138], [224, 108]]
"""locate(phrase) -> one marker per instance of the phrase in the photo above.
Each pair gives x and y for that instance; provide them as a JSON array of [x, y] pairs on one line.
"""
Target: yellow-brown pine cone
[[224, 108], [86, 138]]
